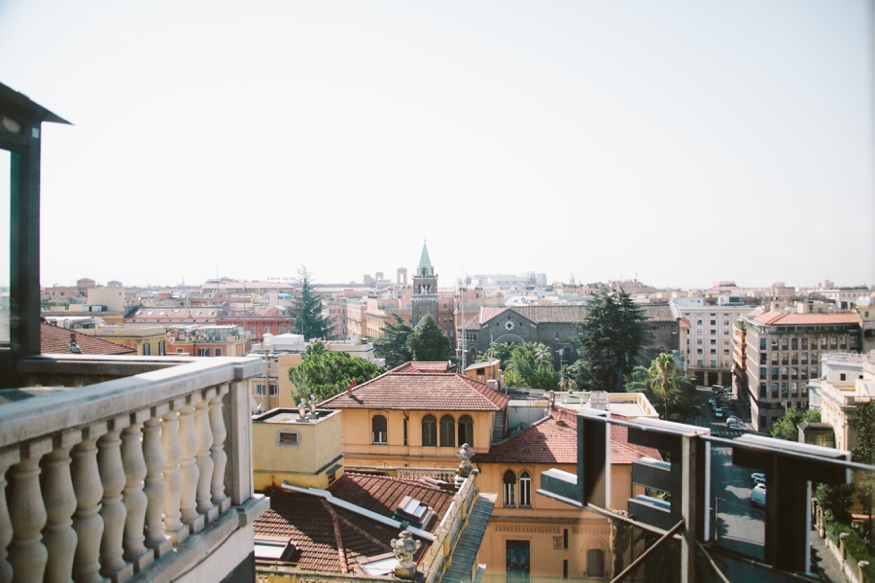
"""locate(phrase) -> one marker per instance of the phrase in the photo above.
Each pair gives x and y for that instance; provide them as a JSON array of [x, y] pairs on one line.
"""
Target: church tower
[[425, 293]]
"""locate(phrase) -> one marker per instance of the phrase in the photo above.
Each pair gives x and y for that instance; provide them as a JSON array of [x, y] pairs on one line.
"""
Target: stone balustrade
[[107, 481]]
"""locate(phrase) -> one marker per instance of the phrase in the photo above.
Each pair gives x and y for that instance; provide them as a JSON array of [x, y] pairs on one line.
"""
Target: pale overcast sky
[[685, 142]]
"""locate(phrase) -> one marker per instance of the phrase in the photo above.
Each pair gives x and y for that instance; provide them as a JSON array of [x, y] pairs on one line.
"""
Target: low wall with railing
[[448, 530], [146, 477]]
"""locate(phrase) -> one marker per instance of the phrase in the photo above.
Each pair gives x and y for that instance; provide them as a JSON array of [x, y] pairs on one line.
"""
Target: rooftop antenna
[[463, 349]]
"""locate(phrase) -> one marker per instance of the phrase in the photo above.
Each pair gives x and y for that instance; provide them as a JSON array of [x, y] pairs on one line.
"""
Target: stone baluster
[[87, 521], [204, 462], [173, 526], [134, 498], [27, 553], [188, 468], [154, 487], [60, 500], [217, 451], [7, 459], [112, 510]]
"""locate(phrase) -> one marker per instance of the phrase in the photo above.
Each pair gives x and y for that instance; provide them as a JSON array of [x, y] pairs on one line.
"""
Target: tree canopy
[[392, 343], [500, 350], [324, 373], [427, 342], [669, 390], [307, 310], [531, 366], [613, 334], [785, 427]]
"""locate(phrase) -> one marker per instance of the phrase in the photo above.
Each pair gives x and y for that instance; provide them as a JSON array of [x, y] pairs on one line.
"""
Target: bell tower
[[425, 294]]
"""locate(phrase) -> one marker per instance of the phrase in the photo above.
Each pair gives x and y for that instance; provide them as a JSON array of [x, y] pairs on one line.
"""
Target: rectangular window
[[282, 329], [161, 348], [259, 389], [288, 438], [405, 432], [203, 351], [147, 349], [274, 390], [713, 322], [565, 568], [217, 352], [565, 538]]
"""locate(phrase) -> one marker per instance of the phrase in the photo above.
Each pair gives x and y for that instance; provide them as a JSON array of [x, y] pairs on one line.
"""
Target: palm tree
[[666, 379]]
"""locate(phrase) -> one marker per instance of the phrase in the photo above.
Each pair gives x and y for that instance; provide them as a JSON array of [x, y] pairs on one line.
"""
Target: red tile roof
[[423, 366], [56, 340], [420, 391], [331, 539], [775, 318], [553, 440]]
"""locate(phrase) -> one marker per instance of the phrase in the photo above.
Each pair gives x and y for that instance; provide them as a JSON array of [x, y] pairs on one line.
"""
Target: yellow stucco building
[[411, 417]]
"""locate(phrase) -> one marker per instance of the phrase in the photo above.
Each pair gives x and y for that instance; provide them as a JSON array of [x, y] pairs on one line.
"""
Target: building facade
[[707, 349], [782, 353]]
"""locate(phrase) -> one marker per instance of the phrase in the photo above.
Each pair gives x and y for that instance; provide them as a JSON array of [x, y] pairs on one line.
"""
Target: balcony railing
[[144, 476]]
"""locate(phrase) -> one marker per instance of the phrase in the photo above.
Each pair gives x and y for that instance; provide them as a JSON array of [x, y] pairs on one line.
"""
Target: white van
[[758, 495]]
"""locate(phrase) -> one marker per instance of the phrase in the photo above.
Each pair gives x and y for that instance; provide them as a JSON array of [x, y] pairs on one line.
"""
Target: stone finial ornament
[[404, 548], [465, 468]]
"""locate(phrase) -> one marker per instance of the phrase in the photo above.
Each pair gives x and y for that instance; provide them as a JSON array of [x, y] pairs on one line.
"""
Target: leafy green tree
[[324, 373], [785, 427], [392, 343], [427, 342], [666, 386], [307, 310], [500, 350], [614, 333], [863, 425], [531, 366]]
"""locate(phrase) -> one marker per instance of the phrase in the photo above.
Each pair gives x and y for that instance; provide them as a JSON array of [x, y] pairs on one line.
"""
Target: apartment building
[[782, 351], [706, 350], [846, 380]]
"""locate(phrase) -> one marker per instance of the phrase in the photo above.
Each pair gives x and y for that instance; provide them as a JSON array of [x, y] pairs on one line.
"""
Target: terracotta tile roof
[[658, 312], [553, 440], [775, 318], [683, 323], [536, 314], [56, 340], [330, 539], [473, 323], [423, 366], [164, 315], [420, 391]]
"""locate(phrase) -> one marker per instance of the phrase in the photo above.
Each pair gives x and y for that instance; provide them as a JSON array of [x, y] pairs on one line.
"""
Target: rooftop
[[553, 440], [329, 538], [420, 391]]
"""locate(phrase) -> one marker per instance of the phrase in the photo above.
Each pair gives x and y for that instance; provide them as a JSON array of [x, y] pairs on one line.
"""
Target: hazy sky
[[685, 142]]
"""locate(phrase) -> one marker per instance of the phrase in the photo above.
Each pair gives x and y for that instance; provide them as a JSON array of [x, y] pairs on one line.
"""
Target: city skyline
[[686, 144]]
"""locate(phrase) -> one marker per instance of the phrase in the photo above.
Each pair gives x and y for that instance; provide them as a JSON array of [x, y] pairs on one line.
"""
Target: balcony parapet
[[143, 477]]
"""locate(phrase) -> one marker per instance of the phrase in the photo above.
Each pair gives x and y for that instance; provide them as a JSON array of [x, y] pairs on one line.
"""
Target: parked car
[[732, 419], [718, 412], [758, 477], [736, 426], [758, 495]]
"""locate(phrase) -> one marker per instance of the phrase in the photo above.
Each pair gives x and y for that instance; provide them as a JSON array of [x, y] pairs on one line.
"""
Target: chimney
[[350, 387]]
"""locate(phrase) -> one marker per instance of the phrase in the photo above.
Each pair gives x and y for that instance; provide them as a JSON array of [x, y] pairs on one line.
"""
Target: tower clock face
[[508, 325]]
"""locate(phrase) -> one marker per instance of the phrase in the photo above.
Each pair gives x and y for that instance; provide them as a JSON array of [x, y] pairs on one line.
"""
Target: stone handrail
[[447, 531], [106, 479], [445, 474]]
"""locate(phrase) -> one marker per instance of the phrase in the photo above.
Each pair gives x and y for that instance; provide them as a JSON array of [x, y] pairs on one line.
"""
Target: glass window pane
[[5, 209]]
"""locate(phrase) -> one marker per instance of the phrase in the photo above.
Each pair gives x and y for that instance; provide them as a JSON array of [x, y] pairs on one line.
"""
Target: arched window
[[429, 431], [525, 489], [466, 430], [378, 430], [595, 563], [509, 480], [448, 431]]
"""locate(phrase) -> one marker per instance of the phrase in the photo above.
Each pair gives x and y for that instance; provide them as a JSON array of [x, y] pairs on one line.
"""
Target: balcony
[[127, 469]]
